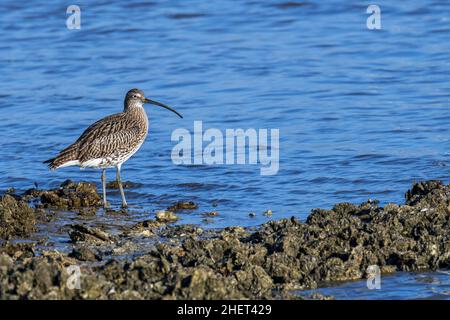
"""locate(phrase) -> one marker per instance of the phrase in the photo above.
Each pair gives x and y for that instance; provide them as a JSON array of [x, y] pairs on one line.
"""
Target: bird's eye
[[134, 96]]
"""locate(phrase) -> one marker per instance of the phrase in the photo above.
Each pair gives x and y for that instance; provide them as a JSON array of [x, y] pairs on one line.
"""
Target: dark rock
[[125, 185], [72, 195], [16, 217], [183, 205], [83, 253], [211, 214], [83, 233], [269, 261], [166, 216], [18, 250], [87, 212], [426, 191]]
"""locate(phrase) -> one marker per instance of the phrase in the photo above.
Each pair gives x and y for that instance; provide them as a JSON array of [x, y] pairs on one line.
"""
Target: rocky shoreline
[[155, 259]]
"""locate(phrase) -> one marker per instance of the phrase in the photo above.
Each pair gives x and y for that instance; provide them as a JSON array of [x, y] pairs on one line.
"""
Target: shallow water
[[403, 285], [362, 114]]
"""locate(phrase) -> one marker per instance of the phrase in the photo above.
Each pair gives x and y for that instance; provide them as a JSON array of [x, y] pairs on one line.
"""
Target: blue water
[[361, 113], [401, 286]]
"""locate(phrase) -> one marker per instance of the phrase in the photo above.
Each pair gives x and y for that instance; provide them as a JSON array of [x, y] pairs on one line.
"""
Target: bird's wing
[[108, 137], [100, 127]]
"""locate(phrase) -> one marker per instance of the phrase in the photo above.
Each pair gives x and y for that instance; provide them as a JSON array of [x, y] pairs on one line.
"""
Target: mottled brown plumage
[[110, 141]]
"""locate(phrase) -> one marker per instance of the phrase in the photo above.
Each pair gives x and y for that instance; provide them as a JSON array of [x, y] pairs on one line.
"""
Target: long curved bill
[[156, 103]]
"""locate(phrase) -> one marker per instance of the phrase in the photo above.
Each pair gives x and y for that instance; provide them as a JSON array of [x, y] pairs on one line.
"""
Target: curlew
[[111, 141]]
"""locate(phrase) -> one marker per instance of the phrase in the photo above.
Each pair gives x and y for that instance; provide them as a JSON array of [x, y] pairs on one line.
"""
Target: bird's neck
[[137, 112], [130, 106]]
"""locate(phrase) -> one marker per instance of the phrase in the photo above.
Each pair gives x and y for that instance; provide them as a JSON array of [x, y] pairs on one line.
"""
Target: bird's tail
[[67, 157]]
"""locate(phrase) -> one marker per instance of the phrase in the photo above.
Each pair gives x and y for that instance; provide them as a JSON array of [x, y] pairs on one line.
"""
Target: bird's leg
[[105, 204], [122, 194]]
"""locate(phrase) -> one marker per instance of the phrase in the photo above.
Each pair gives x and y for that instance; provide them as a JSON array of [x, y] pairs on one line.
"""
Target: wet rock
[[233, 231], [268, 213], [269, 261], [87, 212], [18, 250], [255, 280], [204, 283], [44, 216], [429, 193], [83, 233], [210, 214], [318, 296], [146, 228], [11, 191], [16, 217], [166, 216], [68, 184], [84, 253], [183, 205], [6, 262], [181, 231], [32, 193], [72, 195], [114, 212], [42, 277], [125, 185]]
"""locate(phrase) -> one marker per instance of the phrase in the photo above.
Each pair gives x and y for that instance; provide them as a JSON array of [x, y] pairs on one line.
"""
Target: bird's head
[[136, 98]]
